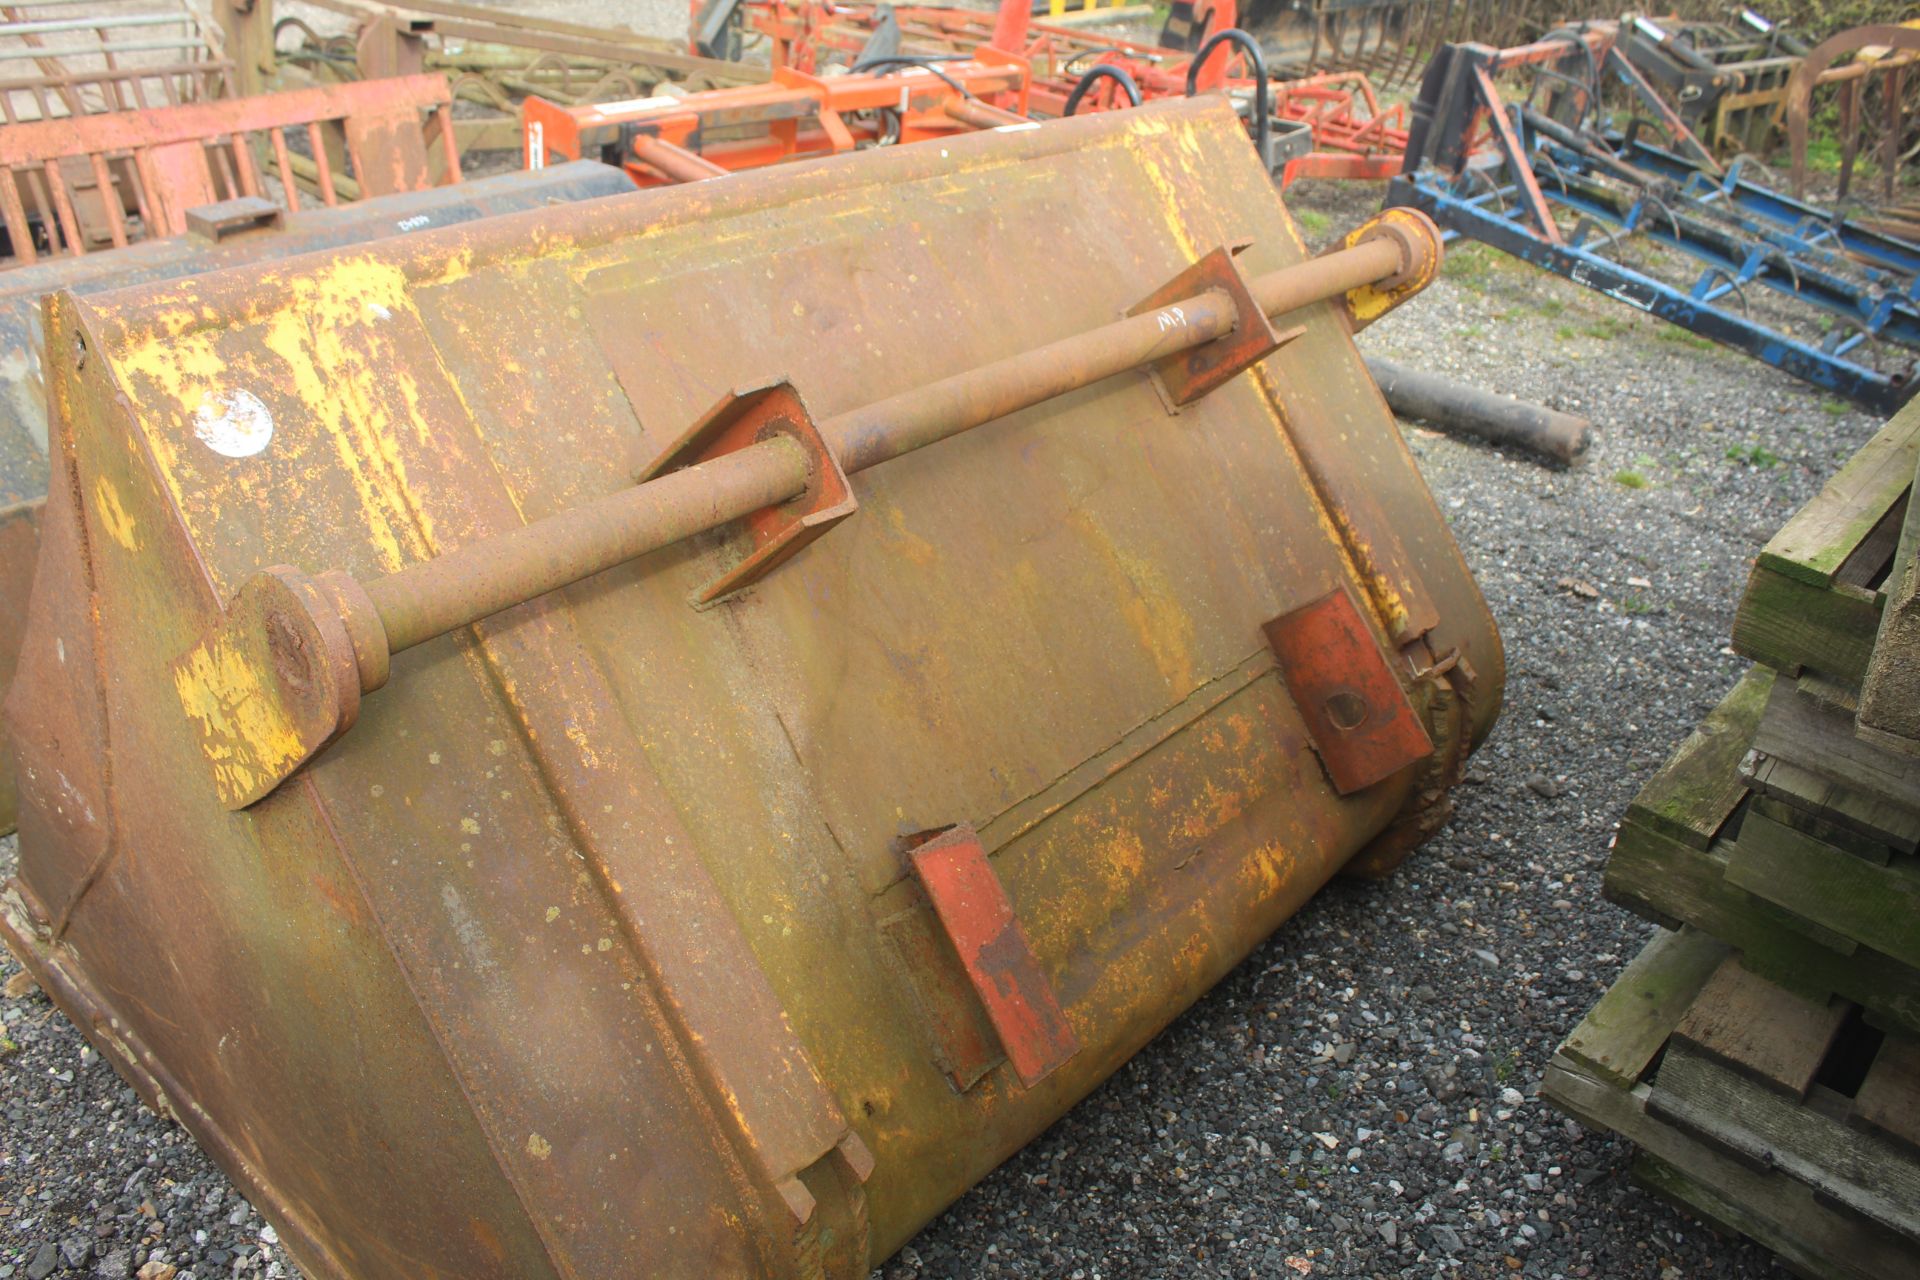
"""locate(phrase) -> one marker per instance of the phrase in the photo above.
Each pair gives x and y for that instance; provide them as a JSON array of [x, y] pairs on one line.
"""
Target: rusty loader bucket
[[668, 736], [230, 233]]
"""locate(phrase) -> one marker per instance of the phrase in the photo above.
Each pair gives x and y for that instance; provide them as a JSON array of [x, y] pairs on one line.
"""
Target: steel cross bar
[[340, 634], [436, 596]]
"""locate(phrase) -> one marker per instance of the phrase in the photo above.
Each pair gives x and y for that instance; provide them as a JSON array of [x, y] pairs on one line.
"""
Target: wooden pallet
[[1816, 885], [1815, 594], [1750, 1106]]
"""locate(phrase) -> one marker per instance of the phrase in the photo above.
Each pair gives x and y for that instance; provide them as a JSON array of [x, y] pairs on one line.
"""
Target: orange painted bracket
[[1188, 375], [748, 417], [1358, 716], [973, 908]]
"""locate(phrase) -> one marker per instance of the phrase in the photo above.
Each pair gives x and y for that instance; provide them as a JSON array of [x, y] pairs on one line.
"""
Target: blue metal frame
[[1808, 228], [1733, 261], [1470, 215]]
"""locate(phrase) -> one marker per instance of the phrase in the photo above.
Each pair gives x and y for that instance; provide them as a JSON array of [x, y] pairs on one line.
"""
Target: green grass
[[1565, 333], [1674, 334], [1630, 479], [1312, 221], [1606, 328], [1473, 331], [1472, 266], [1550, 307], [1753, 455], [1834, 408]]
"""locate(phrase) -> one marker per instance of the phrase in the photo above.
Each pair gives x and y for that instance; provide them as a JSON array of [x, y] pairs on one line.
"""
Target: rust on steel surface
[[780, 526], [1818, 68], [973, 910], [1187, 375], [175, 158], [250, 687], [1361, 722], [23, 393], [596, 945]]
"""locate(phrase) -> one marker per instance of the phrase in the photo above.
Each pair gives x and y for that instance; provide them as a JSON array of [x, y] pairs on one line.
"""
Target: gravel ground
[[1357, 1099]]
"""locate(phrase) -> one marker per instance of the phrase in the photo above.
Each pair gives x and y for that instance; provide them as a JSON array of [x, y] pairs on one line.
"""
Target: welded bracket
[[1362, 724], [972, 906], [1187, 375], [1418, 240], [748, 417]]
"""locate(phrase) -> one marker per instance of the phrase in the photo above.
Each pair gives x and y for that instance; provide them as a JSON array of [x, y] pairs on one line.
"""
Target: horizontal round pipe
[[674, 162], [983, 115], [435, 596], [914, 419], [1328, 276], [1467, 410]]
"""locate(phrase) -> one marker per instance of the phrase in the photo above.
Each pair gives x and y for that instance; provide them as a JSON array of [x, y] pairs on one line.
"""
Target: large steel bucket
[[732, 910], [23, 400]]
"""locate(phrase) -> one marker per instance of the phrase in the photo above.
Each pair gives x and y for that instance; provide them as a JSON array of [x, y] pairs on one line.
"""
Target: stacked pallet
[[1763, 1052]]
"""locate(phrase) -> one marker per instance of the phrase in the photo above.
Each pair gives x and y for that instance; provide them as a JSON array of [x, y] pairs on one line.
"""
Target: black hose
[[896, 61], [1262, 117], [1104, 71]]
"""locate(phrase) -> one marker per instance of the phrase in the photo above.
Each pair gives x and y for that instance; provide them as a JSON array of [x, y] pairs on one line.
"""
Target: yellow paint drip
[[244, 732], [113, 515]]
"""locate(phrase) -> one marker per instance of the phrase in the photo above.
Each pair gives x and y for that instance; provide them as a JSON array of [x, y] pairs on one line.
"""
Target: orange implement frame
[[660, 141], [75, 184], [1352, 136]]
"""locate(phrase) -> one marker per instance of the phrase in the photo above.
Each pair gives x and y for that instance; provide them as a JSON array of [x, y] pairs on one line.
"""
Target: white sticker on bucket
[[234, 424]]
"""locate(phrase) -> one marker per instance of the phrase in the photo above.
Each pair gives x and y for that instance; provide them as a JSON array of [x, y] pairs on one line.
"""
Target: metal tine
[[278, 136], [110, 198]]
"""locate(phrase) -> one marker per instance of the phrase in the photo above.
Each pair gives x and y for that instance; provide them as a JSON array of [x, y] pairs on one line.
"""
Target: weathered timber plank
[[1859, 1171], [1890, 693], [1774, 1210], [1782, 1215], [1875, 905], [1872, 560], [1664, 880], [1888, 1103], [1788, 625], [1764, 1032], [1870, 816], [1816, 827], [1820, 537], [1808, 733], [1698, 788], [1621, 1034]]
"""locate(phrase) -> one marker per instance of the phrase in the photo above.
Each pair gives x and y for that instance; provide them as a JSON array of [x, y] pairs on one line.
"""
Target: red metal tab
[[745, 418], [1361, 722], [1185, 376], [972, 905]]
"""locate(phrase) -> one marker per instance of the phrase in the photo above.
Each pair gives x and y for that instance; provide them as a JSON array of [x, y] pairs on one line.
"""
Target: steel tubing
[[917, 418], [674, 162], [983, 115], [435, 596]]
